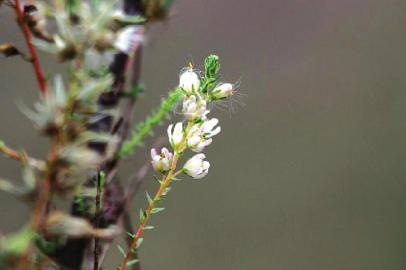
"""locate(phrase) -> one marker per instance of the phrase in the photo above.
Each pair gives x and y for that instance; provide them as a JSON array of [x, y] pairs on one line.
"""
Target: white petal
[[209, 125], [195, 128], [156, 165], [199, 156], [193, 162], [170, 156], [193, 140], [191, 108], [165, 151], [156, 158], [165, 165], [178, 133], [153, 153], [201, 175], [214, 132], [169, 130], [206, 165], [197, 148], [207, 142]]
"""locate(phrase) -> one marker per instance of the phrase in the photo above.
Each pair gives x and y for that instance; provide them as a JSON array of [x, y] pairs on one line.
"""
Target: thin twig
[[22, 157], [33, 53], [97, 222], [165, 183], [128, 226], [126, 220], [11, 153]]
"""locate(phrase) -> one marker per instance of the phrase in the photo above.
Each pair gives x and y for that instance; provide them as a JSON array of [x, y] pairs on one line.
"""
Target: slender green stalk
[[144, 128]]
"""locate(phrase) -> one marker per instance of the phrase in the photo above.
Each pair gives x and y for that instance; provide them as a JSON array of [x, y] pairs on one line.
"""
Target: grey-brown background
[[310, 174]]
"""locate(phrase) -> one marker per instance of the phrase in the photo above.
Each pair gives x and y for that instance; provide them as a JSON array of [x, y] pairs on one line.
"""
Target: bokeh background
[[310, 174]]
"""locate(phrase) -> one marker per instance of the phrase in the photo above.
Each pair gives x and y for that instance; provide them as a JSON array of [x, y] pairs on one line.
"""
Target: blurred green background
[[308, 175]]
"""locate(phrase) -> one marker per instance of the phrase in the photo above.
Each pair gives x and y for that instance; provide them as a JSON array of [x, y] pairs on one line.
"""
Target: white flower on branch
[[161, 162], [189, 81], [200, 135], [175, 134], [193, 108], [197, 167], [223, 90]]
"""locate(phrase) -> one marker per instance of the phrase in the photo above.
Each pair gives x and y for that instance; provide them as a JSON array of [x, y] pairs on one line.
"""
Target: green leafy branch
[[144, 128]]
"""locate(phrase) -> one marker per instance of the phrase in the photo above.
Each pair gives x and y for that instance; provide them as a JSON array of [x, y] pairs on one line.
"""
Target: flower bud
[[189, 81], [211, 66], [175, 134], [161, 162], [223, 90], [197, 167], [193, 108]]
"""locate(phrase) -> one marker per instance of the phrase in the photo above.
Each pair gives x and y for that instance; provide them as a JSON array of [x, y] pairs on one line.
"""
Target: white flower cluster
[[161, 162], [199, 130]]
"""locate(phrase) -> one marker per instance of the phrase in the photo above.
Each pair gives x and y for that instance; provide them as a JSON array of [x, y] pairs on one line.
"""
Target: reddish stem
[[33, 53], [166, 181]]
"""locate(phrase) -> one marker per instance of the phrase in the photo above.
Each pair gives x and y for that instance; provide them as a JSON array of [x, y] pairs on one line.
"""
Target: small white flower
[[223, 90], [200, 135], [175, 135], [161, 162], [189, 81], [197, 167], [193, 108]]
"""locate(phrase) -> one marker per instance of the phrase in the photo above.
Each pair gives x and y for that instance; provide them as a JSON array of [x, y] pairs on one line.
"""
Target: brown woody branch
[[33, 52]]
